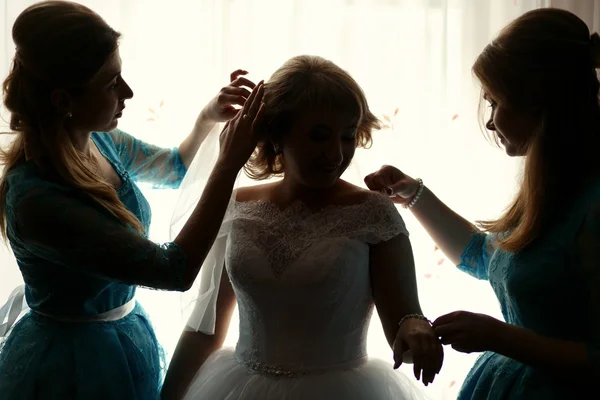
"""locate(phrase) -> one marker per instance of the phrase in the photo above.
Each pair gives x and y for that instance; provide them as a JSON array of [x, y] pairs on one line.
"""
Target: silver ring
[[390, 191], [245, 116]]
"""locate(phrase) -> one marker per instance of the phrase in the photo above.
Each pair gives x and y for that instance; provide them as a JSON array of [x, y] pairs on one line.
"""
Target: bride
[[307, 258]]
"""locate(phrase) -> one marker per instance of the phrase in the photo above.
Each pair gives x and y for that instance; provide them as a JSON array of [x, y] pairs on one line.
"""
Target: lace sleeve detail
[[374, 220], [589, 252], [475, 260], [67, 228], [377, 220], [144, 162]]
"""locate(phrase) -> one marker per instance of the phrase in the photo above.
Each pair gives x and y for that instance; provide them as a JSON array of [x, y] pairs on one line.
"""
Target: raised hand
[[227, 103], [418, 337], [468, 332], [240, 135], [391, 181]]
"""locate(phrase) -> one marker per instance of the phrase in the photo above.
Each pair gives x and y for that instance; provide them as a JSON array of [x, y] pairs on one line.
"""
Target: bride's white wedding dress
[[304, 296]]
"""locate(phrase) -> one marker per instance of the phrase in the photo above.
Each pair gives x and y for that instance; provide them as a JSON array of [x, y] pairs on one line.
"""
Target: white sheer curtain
[[412, 57]]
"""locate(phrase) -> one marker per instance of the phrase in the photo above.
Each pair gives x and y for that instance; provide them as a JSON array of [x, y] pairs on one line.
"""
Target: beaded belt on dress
[[286, 372], [111, 315]]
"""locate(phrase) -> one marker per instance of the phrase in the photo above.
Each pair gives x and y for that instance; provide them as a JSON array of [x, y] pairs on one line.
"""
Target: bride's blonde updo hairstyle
[[302, 84]]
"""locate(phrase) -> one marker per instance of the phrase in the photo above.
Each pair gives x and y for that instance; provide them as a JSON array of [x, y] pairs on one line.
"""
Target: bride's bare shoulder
[[254, 193], [350, 194], [347, 194]]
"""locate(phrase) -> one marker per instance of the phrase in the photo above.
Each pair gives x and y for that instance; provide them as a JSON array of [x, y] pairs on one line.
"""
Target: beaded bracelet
[[417, 195], [414, 316]]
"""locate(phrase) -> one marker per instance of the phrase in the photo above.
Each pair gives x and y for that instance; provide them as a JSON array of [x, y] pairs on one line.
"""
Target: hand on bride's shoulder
[[374, 202], [345, 194], [349, 194]]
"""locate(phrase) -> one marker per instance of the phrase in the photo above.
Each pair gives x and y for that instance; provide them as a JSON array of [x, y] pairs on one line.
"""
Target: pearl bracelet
[[417, 195], [414, 316]]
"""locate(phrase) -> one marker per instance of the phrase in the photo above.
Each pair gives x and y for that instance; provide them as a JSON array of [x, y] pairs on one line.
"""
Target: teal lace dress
[[551, 288], [78, 263]]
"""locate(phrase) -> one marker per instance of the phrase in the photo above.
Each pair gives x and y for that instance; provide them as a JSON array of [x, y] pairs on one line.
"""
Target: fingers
[[449, 333], [256, 101], [369, 181], [236, 74], [387, 186], [376, 182], [443, 329], [446, 332], [231, 99], [241, 81], [382, 180], [388, 180], [399, 200], [446, 319], [411, 343], [258, 118], [448, 339], [399, 350], [430, 359], [439, 356], [251, 98], [401, 186], [417, 351], [460, 347], [237, 91], [459, 342], [427, 373]]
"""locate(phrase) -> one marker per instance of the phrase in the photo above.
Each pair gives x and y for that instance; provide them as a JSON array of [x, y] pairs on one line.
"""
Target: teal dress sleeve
[[475, 260], [589, 253], [79, 261], [147, 163], [71, 230]]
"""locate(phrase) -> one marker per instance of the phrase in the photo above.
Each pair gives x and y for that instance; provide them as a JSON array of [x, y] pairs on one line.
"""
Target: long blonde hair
[[545, 62], [59, 45]]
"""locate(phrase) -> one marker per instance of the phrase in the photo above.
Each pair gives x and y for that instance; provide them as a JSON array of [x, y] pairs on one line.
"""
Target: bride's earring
[[277, 148]]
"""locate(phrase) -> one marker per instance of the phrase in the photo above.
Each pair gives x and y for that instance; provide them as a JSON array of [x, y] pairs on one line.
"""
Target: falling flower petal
[[396, 111], [454, 117]]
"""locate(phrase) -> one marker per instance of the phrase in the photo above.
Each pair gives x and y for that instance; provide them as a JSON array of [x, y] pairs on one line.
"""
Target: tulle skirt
[[46, 359], [496, 377], [222, 377]]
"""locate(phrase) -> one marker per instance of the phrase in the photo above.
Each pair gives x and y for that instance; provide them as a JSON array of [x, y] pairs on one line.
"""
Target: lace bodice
[[302, 280]]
